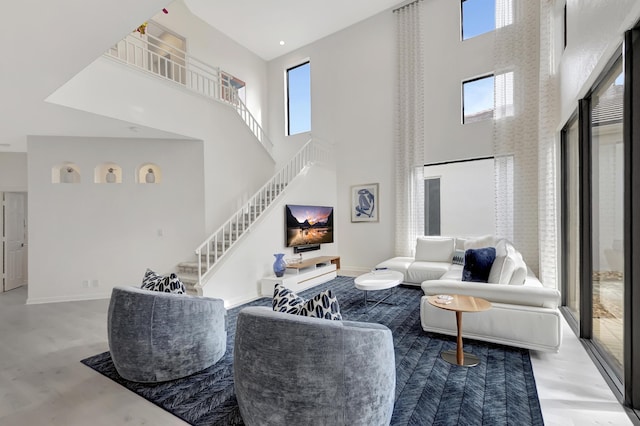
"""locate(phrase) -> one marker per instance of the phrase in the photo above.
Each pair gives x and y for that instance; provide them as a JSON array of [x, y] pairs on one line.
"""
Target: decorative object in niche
[[69, 175], [108, 172], [65, 172], [111, 177], [150, 177], [149, 173]]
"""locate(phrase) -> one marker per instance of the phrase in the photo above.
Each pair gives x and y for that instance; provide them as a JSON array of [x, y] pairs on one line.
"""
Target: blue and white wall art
[[364, 203]]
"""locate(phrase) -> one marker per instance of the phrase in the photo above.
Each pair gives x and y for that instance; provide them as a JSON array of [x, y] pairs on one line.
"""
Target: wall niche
[[66, 172], [149, 173], [107, 173]]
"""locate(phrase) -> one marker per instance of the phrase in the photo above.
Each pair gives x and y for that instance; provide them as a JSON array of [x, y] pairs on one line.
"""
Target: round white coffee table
[[379, 280]]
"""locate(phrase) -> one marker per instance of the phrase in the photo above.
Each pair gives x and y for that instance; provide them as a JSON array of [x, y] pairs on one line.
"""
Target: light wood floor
[[42, 381]]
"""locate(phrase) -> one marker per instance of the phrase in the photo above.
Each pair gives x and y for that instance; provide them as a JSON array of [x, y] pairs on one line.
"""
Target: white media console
[[303, 275]]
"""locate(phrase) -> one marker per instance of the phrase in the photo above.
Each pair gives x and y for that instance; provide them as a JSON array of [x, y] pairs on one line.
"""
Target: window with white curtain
[[503, 95], [478, 17], [477, 99]]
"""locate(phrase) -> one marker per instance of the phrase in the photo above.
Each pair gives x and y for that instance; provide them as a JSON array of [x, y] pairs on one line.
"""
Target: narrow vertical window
[[298, 99], [564, 26]]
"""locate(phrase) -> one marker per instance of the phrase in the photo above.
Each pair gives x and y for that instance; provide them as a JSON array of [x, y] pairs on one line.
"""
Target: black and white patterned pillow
[[284, 300], [167, 284], [323, 305], [458, 257]]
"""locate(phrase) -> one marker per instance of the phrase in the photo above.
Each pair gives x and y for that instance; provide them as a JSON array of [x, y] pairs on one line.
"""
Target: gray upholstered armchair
[[154, 336], [291, 369]]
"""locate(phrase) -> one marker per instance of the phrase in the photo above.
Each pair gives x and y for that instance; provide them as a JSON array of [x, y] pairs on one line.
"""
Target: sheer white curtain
[[548, 148], [409, 132], [515, 128]]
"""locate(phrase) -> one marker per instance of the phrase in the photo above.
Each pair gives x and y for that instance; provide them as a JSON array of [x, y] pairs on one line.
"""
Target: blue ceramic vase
[[279, 266]]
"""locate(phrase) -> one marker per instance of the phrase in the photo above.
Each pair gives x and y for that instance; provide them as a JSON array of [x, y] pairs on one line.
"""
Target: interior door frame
[[3, 233]]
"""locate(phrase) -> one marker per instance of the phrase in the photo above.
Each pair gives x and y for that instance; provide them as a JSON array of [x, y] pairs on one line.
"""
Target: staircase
[[208, 255], [153, 55]]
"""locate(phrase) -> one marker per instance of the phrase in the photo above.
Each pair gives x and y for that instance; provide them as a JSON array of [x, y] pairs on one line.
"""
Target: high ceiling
[[260, 25], [49, 46]]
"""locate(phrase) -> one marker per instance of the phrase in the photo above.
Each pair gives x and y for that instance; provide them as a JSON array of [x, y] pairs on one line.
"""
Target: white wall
[[448, 62], [236, 165], [466, 197], [13, 171], [108, 234], [353, 74], [352, 83], [595, 31], [235, 280]]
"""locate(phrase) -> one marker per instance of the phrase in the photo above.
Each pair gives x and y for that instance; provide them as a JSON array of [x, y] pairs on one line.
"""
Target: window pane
[[432, 206], [478, 99], [572, 214], [299, 99], [607, 175], [478, 17]]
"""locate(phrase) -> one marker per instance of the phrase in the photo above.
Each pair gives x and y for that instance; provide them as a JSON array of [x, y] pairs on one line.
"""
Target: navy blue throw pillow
[[477, 264]]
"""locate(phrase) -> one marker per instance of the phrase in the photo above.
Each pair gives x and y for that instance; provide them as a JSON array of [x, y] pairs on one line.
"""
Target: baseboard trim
[[59, 299]]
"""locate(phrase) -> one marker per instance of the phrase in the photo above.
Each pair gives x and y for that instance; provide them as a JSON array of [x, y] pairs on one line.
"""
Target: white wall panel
[[86, 238], [352, 86], [466, 197]]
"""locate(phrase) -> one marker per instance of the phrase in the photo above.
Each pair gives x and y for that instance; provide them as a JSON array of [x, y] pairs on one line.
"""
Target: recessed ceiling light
[[281, 42]]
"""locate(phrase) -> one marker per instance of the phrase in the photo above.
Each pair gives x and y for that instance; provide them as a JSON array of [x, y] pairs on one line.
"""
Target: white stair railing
[[220, 242], [155, 56]]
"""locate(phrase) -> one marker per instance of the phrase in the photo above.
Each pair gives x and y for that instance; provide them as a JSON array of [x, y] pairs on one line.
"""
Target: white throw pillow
[[460, 243], [480, 242], [498, 264], [519, 274], [507, 269], [434, 249]]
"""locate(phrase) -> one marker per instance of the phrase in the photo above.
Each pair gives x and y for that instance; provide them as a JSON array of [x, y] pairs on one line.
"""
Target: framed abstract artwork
[[364, 203]]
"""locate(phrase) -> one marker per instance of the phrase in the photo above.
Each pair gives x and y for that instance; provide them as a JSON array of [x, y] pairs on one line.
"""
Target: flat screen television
[[308, 225]]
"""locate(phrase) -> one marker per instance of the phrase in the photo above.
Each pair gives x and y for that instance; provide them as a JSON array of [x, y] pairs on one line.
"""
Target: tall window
[[571, 216], [607, 215], [477, 99], [594, 263], [478, 17], [299, 99]]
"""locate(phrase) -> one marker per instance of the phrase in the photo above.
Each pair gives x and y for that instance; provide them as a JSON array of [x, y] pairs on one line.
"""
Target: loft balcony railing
[[155, 56]]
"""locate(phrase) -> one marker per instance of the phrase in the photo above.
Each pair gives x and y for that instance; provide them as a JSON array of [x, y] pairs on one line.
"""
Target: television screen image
[[307, 225]]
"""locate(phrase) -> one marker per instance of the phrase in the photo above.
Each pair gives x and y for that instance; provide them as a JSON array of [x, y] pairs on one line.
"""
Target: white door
[[15, 237]]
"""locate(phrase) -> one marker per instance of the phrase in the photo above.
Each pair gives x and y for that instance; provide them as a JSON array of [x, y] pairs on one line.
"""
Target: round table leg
[[458, 357], [459, 353]]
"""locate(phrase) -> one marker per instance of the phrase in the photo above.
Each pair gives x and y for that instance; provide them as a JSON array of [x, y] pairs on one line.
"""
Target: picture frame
[[364, 203]]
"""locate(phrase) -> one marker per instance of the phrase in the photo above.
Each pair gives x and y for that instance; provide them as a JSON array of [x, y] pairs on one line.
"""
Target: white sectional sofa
[[524, 313]]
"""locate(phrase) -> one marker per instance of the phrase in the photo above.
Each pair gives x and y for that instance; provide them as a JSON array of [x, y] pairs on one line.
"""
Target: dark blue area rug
[[429, 391]]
